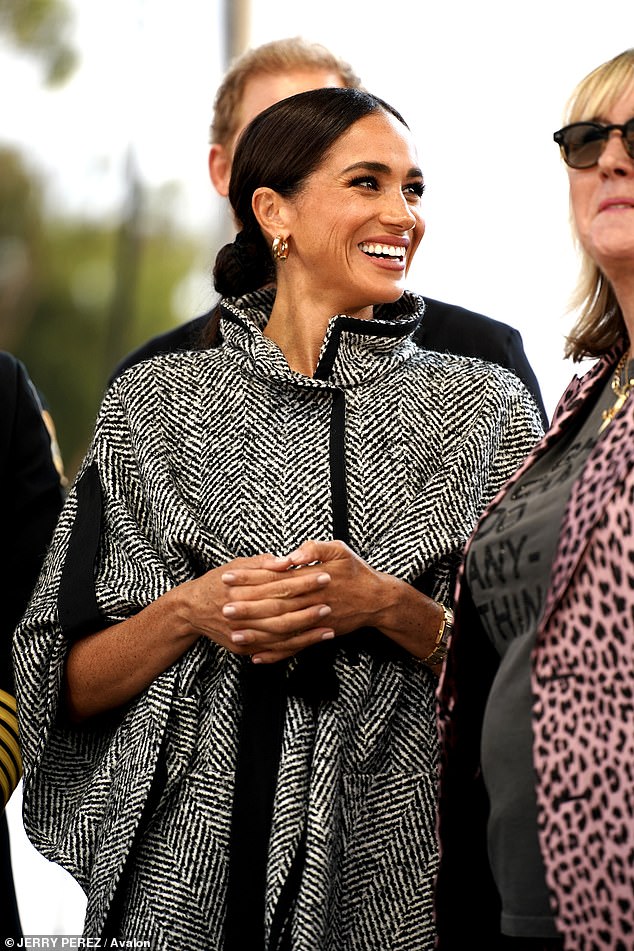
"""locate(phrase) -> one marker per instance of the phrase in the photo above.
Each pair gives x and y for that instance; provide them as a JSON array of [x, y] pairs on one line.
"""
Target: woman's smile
[[386, 251]]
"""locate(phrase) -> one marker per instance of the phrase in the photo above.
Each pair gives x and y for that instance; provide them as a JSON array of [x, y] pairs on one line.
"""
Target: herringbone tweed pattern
[[205, 456]]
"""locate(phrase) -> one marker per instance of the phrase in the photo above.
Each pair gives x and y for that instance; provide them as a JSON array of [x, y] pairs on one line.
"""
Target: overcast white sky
[[483, 86]]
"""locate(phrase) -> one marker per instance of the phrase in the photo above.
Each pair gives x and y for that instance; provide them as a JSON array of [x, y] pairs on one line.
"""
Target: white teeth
[[385, 250]]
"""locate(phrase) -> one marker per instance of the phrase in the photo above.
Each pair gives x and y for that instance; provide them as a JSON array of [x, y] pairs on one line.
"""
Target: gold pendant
[[609, 414]]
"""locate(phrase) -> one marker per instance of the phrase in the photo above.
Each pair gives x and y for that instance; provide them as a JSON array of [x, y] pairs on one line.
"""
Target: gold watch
[[441, 646]]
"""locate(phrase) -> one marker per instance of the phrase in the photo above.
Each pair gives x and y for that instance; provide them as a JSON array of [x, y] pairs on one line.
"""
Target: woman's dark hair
[[279, 149]]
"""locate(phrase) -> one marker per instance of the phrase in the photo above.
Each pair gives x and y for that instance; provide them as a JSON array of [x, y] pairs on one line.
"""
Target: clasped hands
[[271, 607], [265, 607]]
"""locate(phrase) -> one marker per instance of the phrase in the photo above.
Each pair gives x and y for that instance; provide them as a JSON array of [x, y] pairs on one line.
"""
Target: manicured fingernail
[[228, 610], [228, 577], [238, 638], [328, 636], [324, 610], [323, 579], [256, 660]]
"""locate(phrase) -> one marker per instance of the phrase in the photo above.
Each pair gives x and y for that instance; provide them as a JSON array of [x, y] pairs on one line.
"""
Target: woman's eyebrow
[[414, 172]]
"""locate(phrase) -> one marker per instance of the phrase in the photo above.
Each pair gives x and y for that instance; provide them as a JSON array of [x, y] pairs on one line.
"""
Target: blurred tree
[[75, 296], [41, 29], [128, 262], [57, 281], [20, 233]]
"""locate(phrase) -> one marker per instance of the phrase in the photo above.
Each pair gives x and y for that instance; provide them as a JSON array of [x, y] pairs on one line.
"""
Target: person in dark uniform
[[256, 80], [31, 501]]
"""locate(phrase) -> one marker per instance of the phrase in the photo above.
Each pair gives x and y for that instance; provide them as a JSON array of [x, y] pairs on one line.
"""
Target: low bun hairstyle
[[279, 149], [243, 265]]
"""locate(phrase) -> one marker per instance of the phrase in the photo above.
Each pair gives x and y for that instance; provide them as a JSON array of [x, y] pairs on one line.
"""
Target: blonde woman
[[537, 697]]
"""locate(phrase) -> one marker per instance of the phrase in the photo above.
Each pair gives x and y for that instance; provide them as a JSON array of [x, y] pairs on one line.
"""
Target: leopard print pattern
[[583, 683]]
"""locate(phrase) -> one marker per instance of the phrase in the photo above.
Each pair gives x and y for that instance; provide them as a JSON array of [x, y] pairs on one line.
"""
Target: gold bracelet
[[439, 651]]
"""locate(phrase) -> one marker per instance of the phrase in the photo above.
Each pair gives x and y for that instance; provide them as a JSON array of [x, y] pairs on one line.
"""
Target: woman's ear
[[271, 211]]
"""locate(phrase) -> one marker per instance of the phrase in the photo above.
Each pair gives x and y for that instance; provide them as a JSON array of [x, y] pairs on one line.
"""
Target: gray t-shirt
[[508, 571]]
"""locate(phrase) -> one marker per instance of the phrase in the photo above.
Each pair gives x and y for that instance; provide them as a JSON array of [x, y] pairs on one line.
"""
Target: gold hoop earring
[[279, 248]]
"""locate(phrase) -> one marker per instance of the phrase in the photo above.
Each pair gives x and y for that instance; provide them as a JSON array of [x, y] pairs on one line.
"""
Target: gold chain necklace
[[621, 389]]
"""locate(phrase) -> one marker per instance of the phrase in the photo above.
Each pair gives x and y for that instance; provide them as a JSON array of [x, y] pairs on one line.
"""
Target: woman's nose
[[397, 211], [614, 157]]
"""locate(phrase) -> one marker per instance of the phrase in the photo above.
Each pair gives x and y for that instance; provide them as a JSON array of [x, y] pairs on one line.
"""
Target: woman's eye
[[365, 181], [415, 188]]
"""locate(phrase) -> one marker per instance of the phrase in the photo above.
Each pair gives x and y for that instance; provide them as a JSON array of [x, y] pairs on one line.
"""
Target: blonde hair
[[279, 56], [600, 322]]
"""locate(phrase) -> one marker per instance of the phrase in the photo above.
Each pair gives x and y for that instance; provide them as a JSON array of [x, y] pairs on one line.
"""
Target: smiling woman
[[364, 193], [352, 232], [230, 662]]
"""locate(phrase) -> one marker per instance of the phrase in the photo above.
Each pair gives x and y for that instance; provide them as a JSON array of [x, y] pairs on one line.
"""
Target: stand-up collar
[[353, 349]]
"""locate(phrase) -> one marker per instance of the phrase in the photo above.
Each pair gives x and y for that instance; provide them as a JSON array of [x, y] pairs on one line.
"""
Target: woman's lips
[[617, 204]]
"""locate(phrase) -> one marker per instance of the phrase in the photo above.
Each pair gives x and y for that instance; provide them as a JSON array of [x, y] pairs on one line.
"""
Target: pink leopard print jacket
[[583, 714]]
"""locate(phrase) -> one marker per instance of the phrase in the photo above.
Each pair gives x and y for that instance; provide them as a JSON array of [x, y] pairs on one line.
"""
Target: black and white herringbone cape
[[200, 457]]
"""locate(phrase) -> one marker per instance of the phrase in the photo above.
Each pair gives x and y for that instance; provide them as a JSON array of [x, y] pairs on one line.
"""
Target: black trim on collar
[[372, 328]]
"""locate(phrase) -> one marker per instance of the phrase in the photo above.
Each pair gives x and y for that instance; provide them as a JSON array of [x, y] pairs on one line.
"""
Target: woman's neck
[[625, 297], [298, 326]]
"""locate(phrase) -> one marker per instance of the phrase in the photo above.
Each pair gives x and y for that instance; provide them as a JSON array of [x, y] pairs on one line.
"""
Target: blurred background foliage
[[42, 29], [77, 294]]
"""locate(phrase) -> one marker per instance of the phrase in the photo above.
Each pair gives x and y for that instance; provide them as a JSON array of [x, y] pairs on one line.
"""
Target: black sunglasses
[[582, 143]]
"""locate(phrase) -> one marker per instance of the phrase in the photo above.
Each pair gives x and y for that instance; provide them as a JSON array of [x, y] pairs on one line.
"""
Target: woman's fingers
[[234, 575], [291, 646], [311, 552], [260, 618], [256, 586], [312, 605]]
